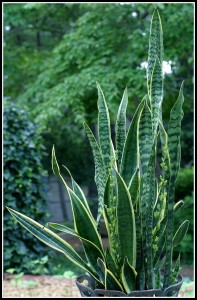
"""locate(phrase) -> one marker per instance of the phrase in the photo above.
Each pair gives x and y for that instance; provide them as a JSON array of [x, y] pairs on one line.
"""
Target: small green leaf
[[111, 282], [178, 205], [128, 276], [180, 233], [175, 271]]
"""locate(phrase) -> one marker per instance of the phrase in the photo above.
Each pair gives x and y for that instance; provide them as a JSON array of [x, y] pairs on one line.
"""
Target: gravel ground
[[43, 286], [40, 287]]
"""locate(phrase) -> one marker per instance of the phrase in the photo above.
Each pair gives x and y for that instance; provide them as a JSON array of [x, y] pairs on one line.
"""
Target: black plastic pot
[[86, 286]]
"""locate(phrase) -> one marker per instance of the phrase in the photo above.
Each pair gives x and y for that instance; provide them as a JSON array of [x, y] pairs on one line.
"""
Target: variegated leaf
[[174, 131], [134, 187], [175, 270], [130, 156], [85, 225], [52, 240], [156, 95], [104, 131], [100, 174], [121, 126], [126, 222], [180, 233], [128, 276], [78, 191], [145, 136], [155, 45], [91, 250]]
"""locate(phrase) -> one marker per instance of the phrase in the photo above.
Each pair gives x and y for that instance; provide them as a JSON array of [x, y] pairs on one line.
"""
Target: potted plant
[[137, 206]]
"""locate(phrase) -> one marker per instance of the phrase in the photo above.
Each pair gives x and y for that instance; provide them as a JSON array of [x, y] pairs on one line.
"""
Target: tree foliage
[[55, 53]]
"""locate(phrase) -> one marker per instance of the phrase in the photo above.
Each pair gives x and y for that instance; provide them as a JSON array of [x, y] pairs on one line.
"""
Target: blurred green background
[[53, 56]]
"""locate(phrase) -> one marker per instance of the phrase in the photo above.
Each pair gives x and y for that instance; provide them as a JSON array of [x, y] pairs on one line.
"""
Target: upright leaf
[[121, 126], [145, 136], [85, 225], [156, 94], [174, 131], [155, 45], [128, 276], [178, 205], [148, 200], [100, 174], [78, 191], [104, 131], [111, 263], [111, 282], [126, 222], [130, 156], [180, 233], [134, 187], [175, 271]]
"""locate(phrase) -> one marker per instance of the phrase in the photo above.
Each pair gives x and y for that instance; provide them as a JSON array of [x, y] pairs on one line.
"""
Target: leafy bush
[[185, 182], [23, 189]]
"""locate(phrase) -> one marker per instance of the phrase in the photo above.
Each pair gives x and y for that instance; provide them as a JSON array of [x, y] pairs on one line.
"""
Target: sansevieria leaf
[[145, 136], [121, 126], [174, 131], [56, 170], [156, 94], [178, 205], [104, 131], [128, 276], [110, 262], [91, 250], [134, 187], [83, 220], [100, 174], [149, 198], [155, 45], [51, 239], [180, 233], [78, 191], [85, 225], [111, 282], [126, 222], [130, 156], [175, 270]]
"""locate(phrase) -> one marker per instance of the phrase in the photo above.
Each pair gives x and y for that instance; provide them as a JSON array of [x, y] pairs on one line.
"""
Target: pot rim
[[95, 292]]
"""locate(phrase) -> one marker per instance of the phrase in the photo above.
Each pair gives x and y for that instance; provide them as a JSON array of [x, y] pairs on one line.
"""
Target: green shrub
[[185, 182], [23, 189]]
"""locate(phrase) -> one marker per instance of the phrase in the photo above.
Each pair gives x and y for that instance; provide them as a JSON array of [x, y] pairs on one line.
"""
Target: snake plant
[[137, 206]]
